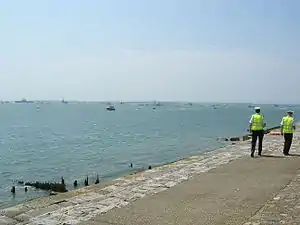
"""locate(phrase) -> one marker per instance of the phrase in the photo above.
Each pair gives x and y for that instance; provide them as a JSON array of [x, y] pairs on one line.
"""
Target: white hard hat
[[256, 107]]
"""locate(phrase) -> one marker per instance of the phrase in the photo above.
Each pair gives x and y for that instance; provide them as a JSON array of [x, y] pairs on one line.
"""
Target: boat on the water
[[64, 101], [110, 108], [155, 103], [24, 100]]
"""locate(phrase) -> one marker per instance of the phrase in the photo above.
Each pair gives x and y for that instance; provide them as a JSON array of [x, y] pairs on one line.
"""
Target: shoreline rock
[[48, 186]]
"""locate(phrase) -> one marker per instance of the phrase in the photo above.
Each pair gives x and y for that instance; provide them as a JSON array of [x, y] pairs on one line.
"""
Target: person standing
[[287, 130], [257, 125]]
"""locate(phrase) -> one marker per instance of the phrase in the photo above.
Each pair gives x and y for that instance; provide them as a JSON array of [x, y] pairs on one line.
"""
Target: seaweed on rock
[[48, 186]]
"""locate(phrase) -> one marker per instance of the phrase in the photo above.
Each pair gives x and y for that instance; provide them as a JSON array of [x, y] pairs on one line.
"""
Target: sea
[[48, 140]]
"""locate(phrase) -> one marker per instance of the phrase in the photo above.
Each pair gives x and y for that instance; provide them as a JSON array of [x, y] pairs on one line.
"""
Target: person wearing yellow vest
[[257, 125], [287, 129]]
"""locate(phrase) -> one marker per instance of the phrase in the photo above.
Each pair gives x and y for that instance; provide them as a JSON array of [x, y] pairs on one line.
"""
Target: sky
[[144, 50]]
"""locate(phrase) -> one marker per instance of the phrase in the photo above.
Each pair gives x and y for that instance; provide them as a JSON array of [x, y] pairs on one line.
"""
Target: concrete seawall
[[214, 178]]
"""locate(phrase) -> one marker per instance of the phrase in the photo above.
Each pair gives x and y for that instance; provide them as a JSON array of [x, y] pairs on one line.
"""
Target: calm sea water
[[74, 140]]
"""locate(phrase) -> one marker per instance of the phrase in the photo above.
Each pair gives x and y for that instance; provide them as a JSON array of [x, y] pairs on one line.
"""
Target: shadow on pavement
[[297, 155], [272, 156]]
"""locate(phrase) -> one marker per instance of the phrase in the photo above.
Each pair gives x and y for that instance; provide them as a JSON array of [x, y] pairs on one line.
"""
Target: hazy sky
[[184, 50]]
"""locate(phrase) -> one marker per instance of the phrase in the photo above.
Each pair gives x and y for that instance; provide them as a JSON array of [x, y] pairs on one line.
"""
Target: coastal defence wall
[[81, 206]]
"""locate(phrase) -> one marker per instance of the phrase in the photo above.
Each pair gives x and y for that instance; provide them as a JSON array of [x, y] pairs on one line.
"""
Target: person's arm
[[250, 124], [294, 124], [281, 126], [264, 121]]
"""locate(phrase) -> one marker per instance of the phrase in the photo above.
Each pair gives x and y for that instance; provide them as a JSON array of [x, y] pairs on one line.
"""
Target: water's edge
[[136, 173], [85, 203]]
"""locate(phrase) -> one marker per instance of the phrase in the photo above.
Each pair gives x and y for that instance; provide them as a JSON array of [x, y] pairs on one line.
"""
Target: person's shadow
[[272, 156], [294, 154], [278, 156]]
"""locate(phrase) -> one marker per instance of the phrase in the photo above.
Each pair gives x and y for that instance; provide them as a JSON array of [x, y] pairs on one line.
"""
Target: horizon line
[[157, 101]]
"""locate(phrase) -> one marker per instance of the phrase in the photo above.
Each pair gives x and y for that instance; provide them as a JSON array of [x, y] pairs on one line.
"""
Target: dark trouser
[[288, 138], [260, 135]]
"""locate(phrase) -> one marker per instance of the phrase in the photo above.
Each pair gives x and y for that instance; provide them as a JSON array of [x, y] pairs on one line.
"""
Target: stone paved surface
[[83, 205], [95, 200], [284, 208], [228, 195]]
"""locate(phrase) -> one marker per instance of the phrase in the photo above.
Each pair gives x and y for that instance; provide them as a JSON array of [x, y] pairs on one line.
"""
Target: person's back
[[287, 129], [257, 122], [287, 123]]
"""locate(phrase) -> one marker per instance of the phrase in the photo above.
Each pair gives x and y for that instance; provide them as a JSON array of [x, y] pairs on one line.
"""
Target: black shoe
[[259, 154], [252, 154]]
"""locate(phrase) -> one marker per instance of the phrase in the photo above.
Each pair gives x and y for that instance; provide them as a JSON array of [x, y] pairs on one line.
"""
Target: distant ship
[[64, 102], [24, 100], [110, 108], [155, 103]]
